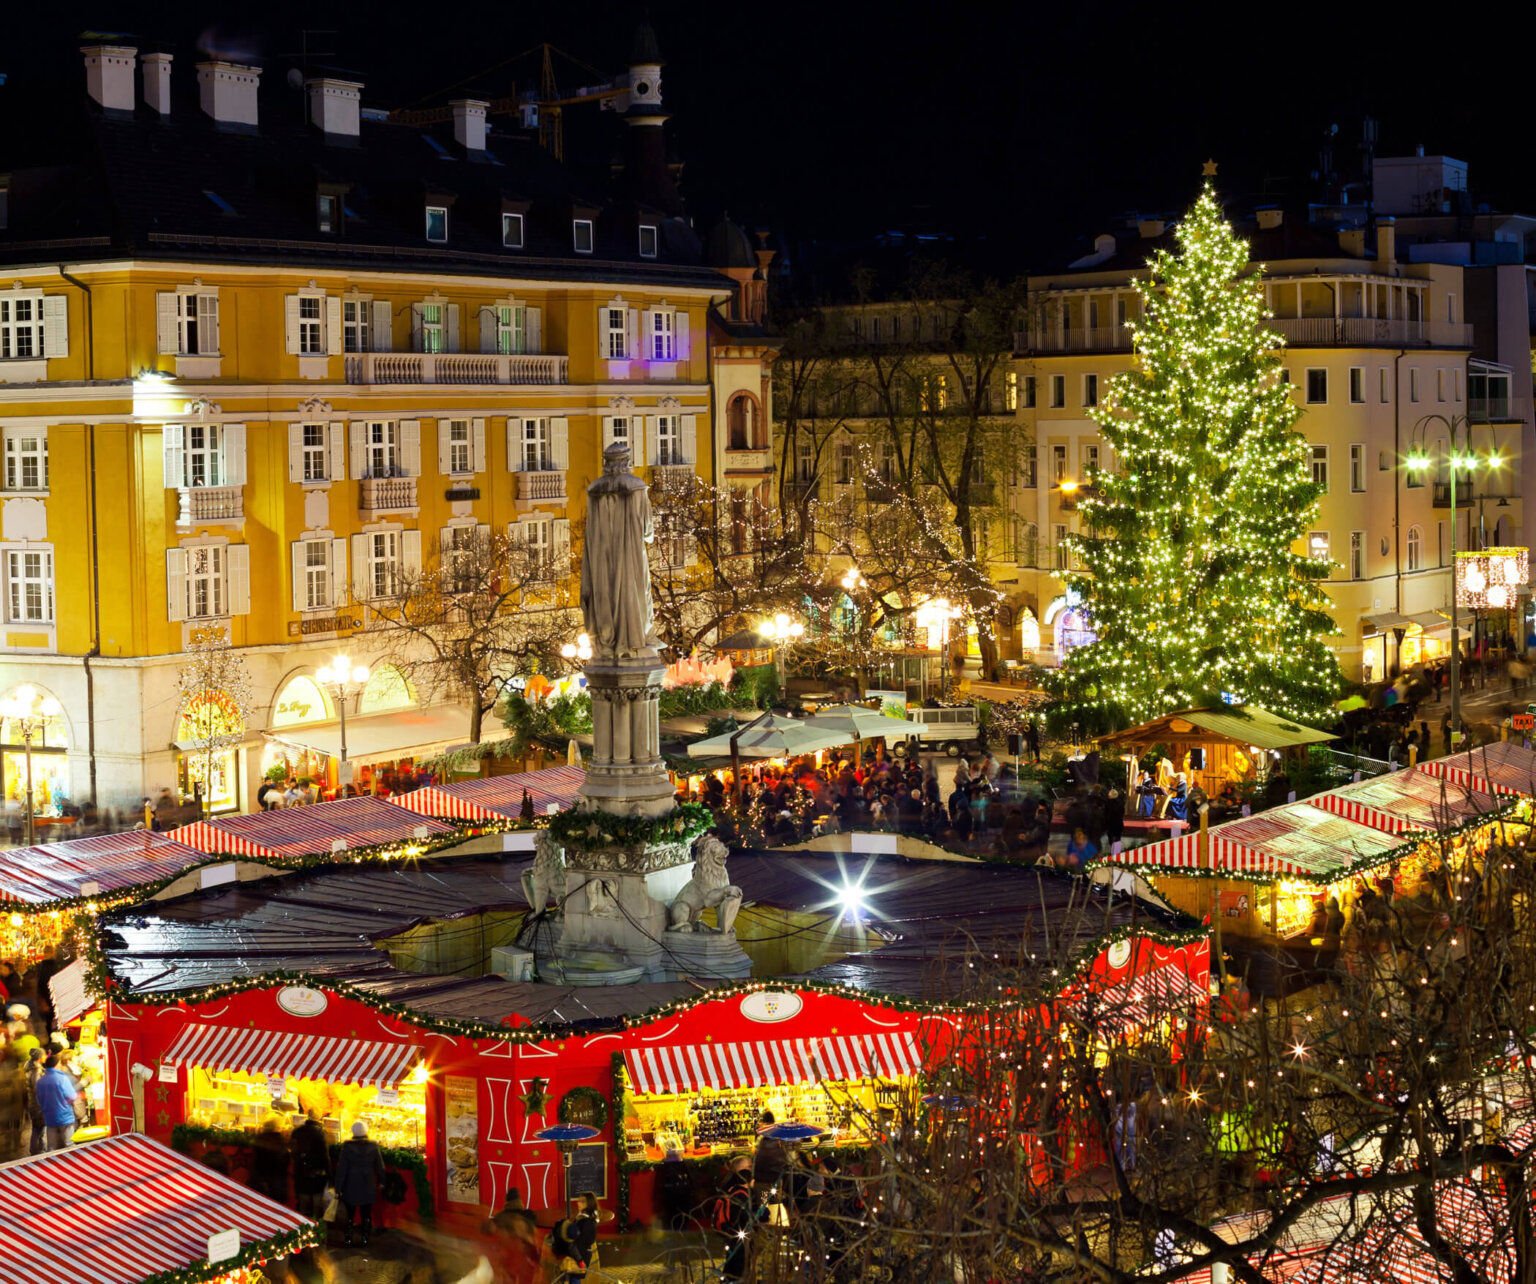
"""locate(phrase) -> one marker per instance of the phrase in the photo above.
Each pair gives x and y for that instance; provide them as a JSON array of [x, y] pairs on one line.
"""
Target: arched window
[[387, 689], [1415, 549], [741, 423]]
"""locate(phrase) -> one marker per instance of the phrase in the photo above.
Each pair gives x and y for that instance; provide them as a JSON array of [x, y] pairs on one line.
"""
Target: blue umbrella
[[955, 1102], [567, 1132], [792, 1132]]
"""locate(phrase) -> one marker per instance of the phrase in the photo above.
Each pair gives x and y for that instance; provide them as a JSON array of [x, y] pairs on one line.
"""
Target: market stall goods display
[[496, 797], [126, 1209]]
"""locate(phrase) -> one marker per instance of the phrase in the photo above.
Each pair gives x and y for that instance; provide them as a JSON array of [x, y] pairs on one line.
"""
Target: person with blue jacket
[[56, 1093]]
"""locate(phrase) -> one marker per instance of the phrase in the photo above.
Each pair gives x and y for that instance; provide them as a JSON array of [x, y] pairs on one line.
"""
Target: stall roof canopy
[[293, 1056], [383, 737], [1504, 768], [123, 1210], [292, 832], [1245, 724], [496, 797], [772, 1063], [1403, 802], [67, 870], [325, 924]]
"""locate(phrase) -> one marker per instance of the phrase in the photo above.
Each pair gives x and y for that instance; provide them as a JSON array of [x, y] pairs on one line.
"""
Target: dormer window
[[327, 213], [512, 231], [437, 223], [648, 240], [581, 232]]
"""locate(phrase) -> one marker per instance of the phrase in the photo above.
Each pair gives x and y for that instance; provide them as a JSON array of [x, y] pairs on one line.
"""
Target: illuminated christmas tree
[[1192, 561]]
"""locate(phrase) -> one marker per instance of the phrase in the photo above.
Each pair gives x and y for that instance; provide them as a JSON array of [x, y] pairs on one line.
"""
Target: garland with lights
[[1185, 556], [249, 1257], [593, 830]]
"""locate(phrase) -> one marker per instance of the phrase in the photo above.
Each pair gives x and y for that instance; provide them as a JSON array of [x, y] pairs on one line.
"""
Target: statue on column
[[615, 571], [709, 888]]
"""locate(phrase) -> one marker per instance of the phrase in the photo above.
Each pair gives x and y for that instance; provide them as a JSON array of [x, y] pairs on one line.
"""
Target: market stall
[[292, 833], [1404, 802], [496, 797], [1503, 768], [100, 868], [128, 1210]]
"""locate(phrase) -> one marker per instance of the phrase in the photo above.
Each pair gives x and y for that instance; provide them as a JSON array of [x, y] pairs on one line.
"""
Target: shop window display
[[50, 768], [199, 773]]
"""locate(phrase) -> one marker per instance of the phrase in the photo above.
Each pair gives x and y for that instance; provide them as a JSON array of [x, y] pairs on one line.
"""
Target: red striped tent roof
[[496, 797], [1296, 840], [1503, 768], [772, 1062], [292, 832], [58, 871], [123, 1209], [330, 1059], [1404, 802]]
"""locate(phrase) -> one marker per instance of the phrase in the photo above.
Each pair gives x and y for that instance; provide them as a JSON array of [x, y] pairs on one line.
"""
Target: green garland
[[257, 1254], [585, 1094], [592, 830], [412, 1161]]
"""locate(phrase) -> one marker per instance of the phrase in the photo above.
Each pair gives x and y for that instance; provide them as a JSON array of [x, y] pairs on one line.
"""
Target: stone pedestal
[[626, 774]]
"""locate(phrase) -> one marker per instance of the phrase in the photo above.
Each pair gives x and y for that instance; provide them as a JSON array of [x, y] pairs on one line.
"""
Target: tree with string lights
[[1187, 559]]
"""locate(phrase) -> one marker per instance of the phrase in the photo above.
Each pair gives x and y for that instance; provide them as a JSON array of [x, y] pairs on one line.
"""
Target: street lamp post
[[29, 715], [580, 649], [343, 680], [1419, 461], [852, 582], [781, 631], [933, 614]]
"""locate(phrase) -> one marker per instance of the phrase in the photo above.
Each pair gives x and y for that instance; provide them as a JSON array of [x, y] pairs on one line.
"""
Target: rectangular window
[[663, 339], [311, 338], [846, 463], [1058, 465], [669, 439], [1317, 387], [618, 347], [354, 325], [1090, 390], [205, 582], [1357, 385], [437, 222], [1317, 545], [536, 457], [21, 327], [538, 536], [460, 556], [317, 574], [432, 327], [1413, 384], [316, 467], [620, 434], [1357, 555], [26, 460], [1090, 460], [460, 449], [511, 328], [197, 326], [1058, 391], [648, 240], [1384, 393], [1029, 470], [380, 448], [1010, 391], [1285, 375], [383, 563], [581, 235], [205, 455], [29, 586], [1357, 468], [1029, 392], [512, 231], [1320, 468], [1059, 547], [327, 208]]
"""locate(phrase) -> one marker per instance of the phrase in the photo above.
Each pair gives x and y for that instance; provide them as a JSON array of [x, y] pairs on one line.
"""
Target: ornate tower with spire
[[647, 176]]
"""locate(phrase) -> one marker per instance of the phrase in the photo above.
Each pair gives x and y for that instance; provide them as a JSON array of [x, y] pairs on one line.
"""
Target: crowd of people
[[43, 1097]]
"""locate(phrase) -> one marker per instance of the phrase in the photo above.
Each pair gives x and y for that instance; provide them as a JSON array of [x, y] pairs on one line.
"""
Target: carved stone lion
[[709, 888], [546, 876]]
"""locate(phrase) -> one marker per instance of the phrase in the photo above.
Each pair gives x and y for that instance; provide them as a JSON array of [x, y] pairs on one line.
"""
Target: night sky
[[1027, 124]]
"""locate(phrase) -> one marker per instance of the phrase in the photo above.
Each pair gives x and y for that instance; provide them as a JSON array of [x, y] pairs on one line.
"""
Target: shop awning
[[85, 867], [1430, 621], [383, 737], [1503, 768], [1383, 621], [70, 991], [496, 797], [291, 832], [1247, 725], [1142, 999], [123, 1210], [293, 1056], [1404, 802], [772, 1062]]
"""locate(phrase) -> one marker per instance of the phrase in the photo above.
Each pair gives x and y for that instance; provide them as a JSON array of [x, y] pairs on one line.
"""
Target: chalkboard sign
[[588, 1170]]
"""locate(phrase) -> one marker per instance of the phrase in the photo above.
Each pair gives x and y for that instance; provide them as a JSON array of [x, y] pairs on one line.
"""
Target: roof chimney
[[157, 82], [228, 91], [469, 123], [109, 75], [1269, 219], [1386, 240], [1352, 241], [1150, 228], [335, 106]]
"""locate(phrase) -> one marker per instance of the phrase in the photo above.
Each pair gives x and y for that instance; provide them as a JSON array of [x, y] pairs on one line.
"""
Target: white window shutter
[[361, 583], [533, 330], [560, 443], [477, 444], [175, 584], [295, 452], [487, 329], [333, 325], [444, 542], [444, 453], [517, 536], [173, 438], [336, 466], [452, 345], [234, 454], [239, 579], [359, 448], [291, 323], [652, 443], [690, 439], [381, 334], [48, 579], [410, 447], [167, 338], [680, 334], [514, 445], [337, 572], [208, 324], [410, 555], [560, 544], [55, 325], [647, 331], [416, 319], [296, 560], [632, 333]]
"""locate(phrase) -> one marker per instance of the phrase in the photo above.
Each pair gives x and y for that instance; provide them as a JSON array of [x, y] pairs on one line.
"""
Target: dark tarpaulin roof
[[325, 924]]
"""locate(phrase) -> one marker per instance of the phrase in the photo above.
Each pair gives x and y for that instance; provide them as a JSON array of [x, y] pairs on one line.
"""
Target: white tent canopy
[[856, 722], [771, 736]]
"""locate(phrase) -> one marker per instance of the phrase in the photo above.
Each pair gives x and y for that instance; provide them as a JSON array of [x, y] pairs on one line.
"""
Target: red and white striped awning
[[293, 832], [294, 1056], [1142, 999], [60, 871], [496, 797], [1406, 802], [70, 991], [1503, 768], [773, 1062], [124, 1209]]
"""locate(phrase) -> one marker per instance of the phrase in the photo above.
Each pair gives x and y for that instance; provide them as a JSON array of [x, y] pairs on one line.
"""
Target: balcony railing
[[1370, 332], [203, 504], [459, 367], [386, 494], [1489, 409], [749, 459], [1468, 492], [543, 485], [1102, 338]]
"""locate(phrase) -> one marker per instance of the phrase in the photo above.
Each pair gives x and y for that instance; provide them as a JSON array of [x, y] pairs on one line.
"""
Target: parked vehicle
[[955, 730]]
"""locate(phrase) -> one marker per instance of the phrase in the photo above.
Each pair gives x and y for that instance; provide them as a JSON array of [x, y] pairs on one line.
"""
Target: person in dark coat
[[1114, 819], [676, 1191], [768, 1162], [269, 1167], [311, 1166], [359, 1171]]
